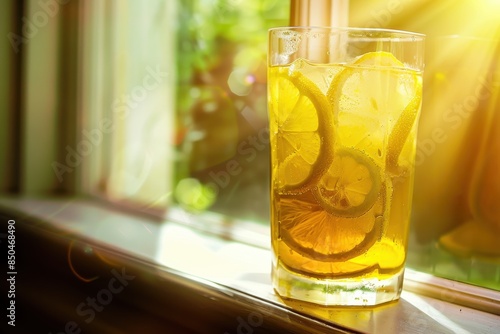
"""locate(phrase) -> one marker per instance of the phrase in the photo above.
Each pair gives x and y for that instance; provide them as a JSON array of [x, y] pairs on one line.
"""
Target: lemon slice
[[373, 98], [321, 236], [351, 185], [320, 269], [301, 123], [400, 132], [385, 257], [473, 238]]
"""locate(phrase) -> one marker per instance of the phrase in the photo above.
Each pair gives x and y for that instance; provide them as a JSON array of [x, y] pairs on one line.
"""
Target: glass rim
[[386, 31]]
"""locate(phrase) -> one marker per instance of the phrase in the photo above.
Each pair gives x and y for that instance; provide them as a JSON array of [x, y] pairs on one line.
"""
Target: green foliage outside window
[[221, 138]]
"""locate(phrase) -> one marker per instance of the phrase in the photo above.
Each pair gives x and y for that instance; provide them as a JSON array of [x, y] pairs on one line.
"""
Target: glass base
[[346, 292]]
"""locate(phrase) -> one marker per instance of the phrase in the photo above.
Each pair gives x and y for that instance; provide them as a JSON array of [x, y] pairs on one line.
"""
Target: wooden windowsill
[[218, 283]]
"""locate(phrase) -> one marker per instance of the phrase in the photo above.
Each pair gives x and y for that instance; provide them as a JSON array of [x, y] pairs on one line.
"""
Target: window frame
[[83, 180]]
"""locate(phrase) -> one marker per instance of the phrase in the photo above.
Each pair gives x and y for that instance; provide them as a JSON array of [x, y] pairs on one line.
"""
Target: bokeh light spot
[[194, 195], [238, 82]]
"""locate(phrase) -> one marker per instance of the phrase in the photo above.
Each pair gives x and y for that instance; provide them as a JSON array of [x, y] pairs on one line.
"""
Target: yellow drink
[[343, 141]]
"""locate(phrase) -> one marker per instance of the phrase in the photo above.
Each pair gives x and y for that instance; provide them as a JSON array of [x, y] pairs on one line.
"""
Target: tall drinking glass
[[344, 105]]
